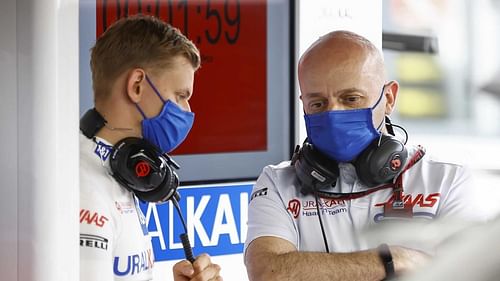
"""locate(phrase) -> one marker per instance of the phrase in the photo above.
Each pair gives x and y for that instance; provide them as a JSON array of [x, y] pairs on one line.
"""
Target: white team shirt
[[114, 240], [277, 207]]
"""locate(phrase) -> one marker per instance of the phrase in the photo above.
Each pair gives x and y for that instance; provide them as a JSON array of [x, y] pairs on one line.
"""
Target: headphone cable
[[404, 131], [390, 128], [321, 224], [188, 251]]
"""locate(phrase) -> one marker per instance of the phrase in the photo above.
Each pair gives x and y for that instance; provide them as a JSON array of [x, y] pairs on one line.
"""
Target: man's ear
[[135, 84], [391, 92]]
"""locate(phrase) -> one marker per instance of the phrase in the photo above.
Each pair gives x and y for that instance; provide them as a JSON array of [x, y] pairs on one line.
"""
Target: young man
[[306, 217], [142, 71]]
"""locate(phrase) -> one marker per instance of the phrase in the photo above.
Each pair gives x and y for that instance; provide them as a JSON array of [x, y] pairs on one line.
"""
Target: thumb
[[183, 269]]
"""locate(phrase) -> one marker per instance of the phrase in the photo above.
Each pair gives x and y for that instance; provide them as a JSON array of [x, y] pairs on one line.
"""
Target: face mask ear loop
[[379, 98], [381, 123], [156, 90], [140, 110]]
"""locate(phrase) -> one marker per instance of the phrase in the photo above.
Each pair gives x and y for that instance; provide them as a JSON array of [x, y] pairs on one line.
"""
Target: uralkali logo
[[294, 207]]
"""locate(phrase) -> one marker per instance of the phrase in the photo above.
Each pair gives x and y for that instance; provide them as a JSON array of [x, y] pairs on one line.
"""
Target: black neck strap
[[91, 122]]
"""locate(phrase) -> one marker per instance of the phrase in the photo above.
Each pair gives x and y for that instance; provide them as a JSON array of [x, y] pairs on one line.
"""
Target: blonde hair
[[137, 42]]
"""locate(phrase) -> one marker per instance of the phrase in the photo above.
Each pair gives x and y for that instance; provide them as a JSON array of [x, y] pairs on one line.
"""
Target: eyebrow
[[184, 91], [340, 92]]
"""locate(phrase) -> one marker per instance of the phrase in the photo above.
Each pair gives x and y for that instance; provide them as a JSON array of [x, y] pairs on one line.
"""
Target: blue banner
[[216, 221]]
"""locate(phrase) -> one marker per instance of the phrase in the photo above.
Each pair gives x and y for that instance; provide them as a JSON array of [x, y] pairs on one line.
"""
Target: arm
[[271, 258], [272, 243], [201, 270]]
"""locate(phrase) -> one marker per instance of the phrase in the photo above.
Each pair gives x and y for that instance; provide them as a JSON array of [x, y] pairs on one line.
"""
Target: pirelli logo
[[93, 241], [257, 193]]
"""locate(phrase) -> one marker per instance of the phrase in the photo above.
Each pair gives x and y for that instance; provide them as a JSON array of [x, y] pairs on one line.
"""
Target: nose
[[334, 104], [185, 105]]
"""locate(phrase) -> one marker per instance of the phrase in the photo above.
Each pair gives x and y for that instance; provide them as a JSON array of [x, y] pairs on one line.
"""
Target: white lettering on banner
[[224, 210], [159, 232], [224, 221], [243, 216], [171, 239], [194, 219]]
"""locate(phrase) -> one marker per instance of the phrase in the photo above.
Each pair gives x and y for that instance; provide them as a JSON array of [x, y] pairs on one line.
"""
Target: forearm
[[363, 265]]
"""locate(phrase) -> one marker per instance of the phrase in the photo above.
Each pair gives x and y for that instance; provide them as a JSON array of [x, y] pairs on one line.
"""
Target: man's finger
[[183, 269], [210, 272], [201, 262]]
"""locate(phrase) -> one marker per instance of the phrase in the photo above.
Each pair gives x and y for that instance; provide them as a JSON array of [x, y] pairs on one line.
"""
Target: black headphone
[[136, 164], [378, 164]]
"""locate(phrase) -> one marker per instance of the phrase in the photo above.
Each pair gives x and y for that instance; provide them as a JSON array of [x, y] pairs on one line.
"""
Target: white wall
[[39, 143], [8, 141]]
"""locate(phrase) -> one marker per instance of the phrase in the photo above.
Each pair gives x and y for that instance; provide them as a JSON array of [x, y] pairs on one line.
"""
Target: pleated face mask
[[342, 134], [168, 129]]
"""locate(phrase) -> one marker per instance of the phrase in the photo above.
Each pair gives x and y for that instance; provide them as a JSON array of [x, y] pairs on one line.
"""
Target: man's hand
[[406, 259], [201, 270]]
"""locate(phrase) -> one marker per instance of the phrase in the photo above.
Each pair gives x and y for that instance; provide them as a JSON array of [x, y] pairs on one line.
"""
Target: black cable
[[389, 126], [188, 251], [402, 129], [321, 224]]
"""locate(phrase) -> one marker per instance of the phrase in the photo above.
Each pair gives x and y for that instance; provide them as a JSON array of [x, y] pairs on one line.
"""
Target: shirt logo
[[294, 207], [90, 217], [93, 241], [125, 207], [411, 201], [134, 264], [308, 208], [425, 202], [103, 150], [257, 193]]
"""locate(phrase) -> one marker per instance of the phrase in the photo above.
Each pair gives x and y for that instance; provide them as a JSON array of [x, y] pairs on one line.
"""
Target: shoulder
[[98, 189], [278, 172], [435, 163], [277, 181], [436, 174], [280, 167]]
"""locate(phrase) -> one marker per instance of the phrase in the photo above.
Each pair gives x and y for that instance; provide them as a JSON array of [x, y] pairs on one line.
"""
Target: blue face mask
[[342, 134], [169, 128]]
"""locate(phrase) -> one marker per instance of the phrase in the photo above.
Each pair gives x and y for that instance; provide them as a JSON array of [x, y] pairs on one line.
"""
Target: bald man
[[306, 216]]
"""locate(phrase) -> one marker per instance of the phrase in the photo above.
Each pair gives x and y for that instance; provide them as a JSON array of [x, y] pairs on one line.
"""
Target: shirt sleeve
[[267, 213], [463, 199], [96, 238]]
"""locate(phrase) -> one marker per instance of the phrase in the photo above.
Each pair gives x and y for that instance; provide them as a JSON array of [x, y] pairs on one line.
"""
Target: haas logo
[[294, 207], [89, 217]]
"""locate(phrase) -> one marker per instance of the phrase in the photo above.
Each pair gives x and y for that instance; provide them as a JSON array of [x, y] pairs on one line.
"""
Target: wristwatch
[[385, 255]]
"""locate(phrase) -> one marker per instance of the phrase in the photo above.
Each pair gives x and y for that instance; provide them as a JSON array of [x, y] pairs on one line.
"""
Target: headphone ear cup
[[164, 191], [141, 168], [379, 164], [314, 171]]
